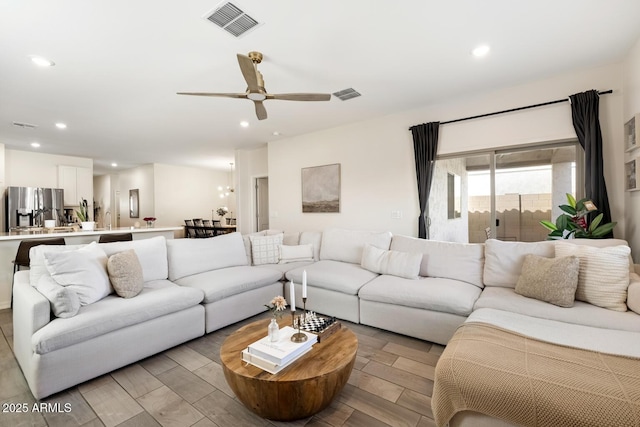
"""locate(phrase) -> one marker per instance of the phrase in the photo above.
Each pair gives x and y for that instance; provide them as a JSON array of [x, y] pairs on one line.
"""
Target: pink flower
[[277, 305]]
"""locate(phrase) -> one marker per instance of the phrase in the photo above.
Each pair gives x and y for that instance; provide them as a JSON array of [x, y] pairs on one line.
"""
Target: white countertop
[[43, 233]]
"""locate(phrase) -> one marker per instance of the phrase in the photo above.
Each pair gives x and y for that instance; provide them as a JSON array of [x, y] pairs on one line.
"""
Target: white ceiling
[[119, 64]]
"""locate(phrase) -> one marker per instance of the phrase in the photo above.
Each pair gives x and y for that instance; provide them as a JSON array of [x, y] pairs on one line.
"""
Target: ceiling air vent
[[231, 18], [24, 125], [345, 94]]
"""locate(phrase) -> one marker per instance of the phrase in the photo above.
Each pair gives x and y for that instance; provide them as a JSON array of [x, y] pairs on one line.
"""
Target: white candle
[[292, 296], [304, 284]]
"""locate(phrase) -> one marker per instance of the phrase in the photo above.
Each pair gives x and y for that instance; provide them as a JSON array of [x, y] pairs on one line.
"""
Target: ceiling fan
[[255, 87]]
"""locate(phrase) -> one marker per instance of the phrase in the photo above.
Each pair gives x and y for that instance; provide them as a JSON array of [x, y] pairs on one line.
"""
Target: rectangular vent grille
[[232, 19], [24, 125], [346, 94]]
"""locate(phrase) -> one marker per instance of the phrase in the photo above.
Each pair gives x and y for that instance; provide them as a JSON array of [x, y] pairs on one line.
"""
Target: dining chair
[[190, 232], [208, 223], [200, 233]]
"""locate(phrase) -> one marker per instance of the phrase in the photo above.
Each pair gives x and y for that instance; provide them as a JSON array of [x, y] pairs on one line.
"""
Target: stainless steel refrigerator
[[31, 206]]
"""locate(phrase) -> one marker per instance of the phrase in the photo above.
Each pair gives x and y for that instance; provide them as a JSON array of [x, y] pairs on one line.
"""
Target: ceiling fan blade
[[249, 72], [226, 95], [261, 112], [300, 96]]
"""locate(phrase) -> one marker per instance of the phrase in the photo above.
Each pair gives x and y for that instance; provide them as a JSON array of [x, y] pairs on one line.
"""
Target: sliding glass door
[[508, 192]]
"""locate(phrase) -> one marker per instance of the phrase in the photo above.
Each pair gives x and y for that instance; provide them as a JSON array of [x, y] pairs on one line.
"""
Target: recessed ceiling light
[[42, 62], [61, 125], [276, 133], [35, 144], [481, 51], [244, 124], [114, 165]]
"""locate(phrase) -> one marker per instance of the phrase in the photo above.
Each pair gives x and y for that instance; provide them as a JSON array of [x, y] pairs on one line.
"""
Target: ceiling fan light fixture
[[256, 96]]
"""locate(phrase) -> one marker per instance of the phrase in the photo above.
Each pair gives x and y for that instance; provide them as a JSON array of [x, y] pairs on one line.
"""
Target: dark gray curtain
[[584, 111], [425, 147]]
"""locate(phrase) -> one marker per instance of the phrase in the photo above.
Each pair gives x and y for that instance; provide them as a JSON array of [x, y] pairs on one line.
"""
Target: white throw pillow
[[83, 270], [264, 249], [295, 253], [395, 263], [64, 301], [604, 274]]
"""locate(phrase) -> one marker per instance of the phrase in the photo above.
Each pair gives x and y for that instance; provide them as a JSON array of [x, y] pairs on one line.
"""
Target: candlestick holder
[[298, 336]]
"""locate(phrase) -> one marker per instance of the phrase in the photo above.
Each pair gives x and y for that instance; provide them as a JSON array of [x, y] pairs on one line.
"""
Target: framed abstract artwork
[[321, 189]]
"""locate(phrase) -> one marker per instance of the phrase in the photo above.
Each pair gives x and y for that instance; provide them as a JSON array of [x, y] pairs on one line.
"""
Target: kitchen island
[[9, 242]]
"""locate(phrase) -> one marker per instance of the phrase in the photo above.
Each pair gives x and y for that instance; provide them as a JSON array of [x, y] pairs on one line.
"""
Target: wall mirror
[[454, 196], [134, 204]]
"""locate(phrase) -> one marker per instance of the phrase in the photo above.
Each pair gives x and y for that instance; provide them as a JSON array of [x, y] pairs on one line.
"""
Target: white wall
[[253, 164], [631, 78], [185, 193], [141, 178], [29, 169], [102, 197], [378, 172]]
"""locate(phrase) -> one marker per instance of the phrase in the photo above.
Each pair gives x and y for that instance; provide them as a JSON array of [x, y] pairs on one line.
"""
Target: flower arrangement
[[575, 224], [222, 211], [149, 218], [277, 306]]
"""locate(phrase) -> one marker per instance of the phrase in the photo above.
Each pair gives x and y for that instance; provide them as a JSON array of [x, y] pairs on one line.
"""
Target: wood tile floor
[[390, 385]]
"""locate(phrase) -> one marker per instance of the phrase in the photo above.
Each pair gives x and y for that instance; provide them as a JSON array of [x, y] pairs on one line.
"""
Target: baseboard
[[5, 304]]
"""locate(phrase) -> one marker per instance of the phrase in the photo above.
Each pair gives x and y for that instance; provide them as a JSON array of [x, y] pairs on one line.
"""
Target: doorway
[[262, 203]]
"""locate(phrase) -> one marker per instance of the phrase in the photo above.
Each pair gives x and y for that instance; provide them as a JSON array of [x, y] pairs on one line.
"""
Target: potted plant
[[575, 223], [83, 216]]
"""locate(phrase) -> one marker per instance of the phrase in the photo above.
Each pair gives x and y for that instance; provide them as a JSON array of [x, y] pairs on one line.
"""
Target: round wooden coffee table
[[300, 390]]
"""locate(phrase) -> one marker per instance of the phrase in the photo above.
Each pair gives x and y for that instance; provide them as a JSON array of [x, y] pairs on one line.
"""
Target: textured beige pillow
[[604, 274], [553, 280], [125, 273]]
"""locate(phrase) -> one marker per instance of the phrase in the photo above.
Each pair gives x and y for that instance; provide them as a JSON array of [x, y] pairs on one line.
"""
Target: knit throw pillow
[[553, 280], [125, 273], [604, 274]]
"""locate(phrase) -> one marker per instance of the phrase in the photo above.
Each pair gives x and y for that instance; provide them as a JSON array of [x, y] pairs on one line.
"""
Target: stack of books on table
[[273, 356]]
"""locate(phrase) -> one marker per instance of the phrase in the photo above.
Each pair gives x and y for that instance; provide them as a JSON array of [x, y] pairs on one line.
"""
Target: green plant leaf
[[571, 200], [568, 209], [603, 230], [549, 225], [563, 221], [596, 222]]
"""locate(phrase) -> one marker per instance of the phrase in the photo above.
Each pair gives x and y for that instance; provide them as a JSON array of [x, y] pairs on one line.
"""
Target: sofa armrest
[[31, 311], [633, 293]]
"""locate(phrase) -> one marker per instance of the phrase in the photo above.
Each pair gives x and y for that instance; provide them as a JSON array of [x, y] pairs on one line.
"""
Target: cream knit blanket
[[509, 376]]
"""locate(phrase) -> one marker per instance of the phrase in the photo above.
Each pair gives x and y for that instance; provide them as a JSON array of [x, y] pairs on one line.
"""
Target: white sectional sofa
[[425, 289]]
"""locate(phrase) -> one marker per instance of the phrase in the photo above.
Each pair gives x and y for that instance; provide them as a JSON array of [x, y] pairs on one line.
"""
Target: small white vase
[[88, 225], [273, 330]]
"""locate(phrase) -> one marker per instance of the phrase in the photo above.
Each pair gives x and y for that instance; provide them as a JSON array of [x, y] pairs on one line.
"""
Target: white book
[[266, 365], [283, 350]]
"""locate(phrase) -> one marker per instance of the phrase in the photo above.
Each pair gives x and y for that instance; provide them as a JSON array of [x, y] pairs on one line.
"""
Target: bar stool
[[121, 237]]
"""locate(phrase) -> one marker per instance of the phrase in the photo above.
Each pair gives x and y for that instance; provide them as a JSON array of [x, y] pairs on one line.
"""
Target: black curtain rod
[[605, 92]]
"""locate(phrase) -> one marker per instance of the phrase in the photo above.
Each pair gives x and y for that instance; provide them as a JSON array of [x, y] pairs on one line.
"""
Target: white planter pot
[[88, 225]]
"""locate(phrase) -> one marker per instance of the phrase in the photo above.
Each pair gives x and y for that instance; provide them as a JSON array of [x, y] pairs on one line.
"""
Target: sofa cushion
[[64, 301], [395, 263], [225, 282], [581, 313], [604, 274], [37, 266], [83, 270], [264, 249], [194, 256], [158, 298], [553, 280], [449, 260], [428, 293], [334, 276], [313, 238], [283, 268], [347, 245], [125, 273], [297, 253], [152, 254], [633, 293], [503, 260]]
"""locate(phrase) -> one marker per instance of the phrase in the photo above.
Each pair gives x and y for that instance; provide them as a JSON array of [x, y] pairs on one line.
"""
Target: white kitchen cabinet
[[77, 183]]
